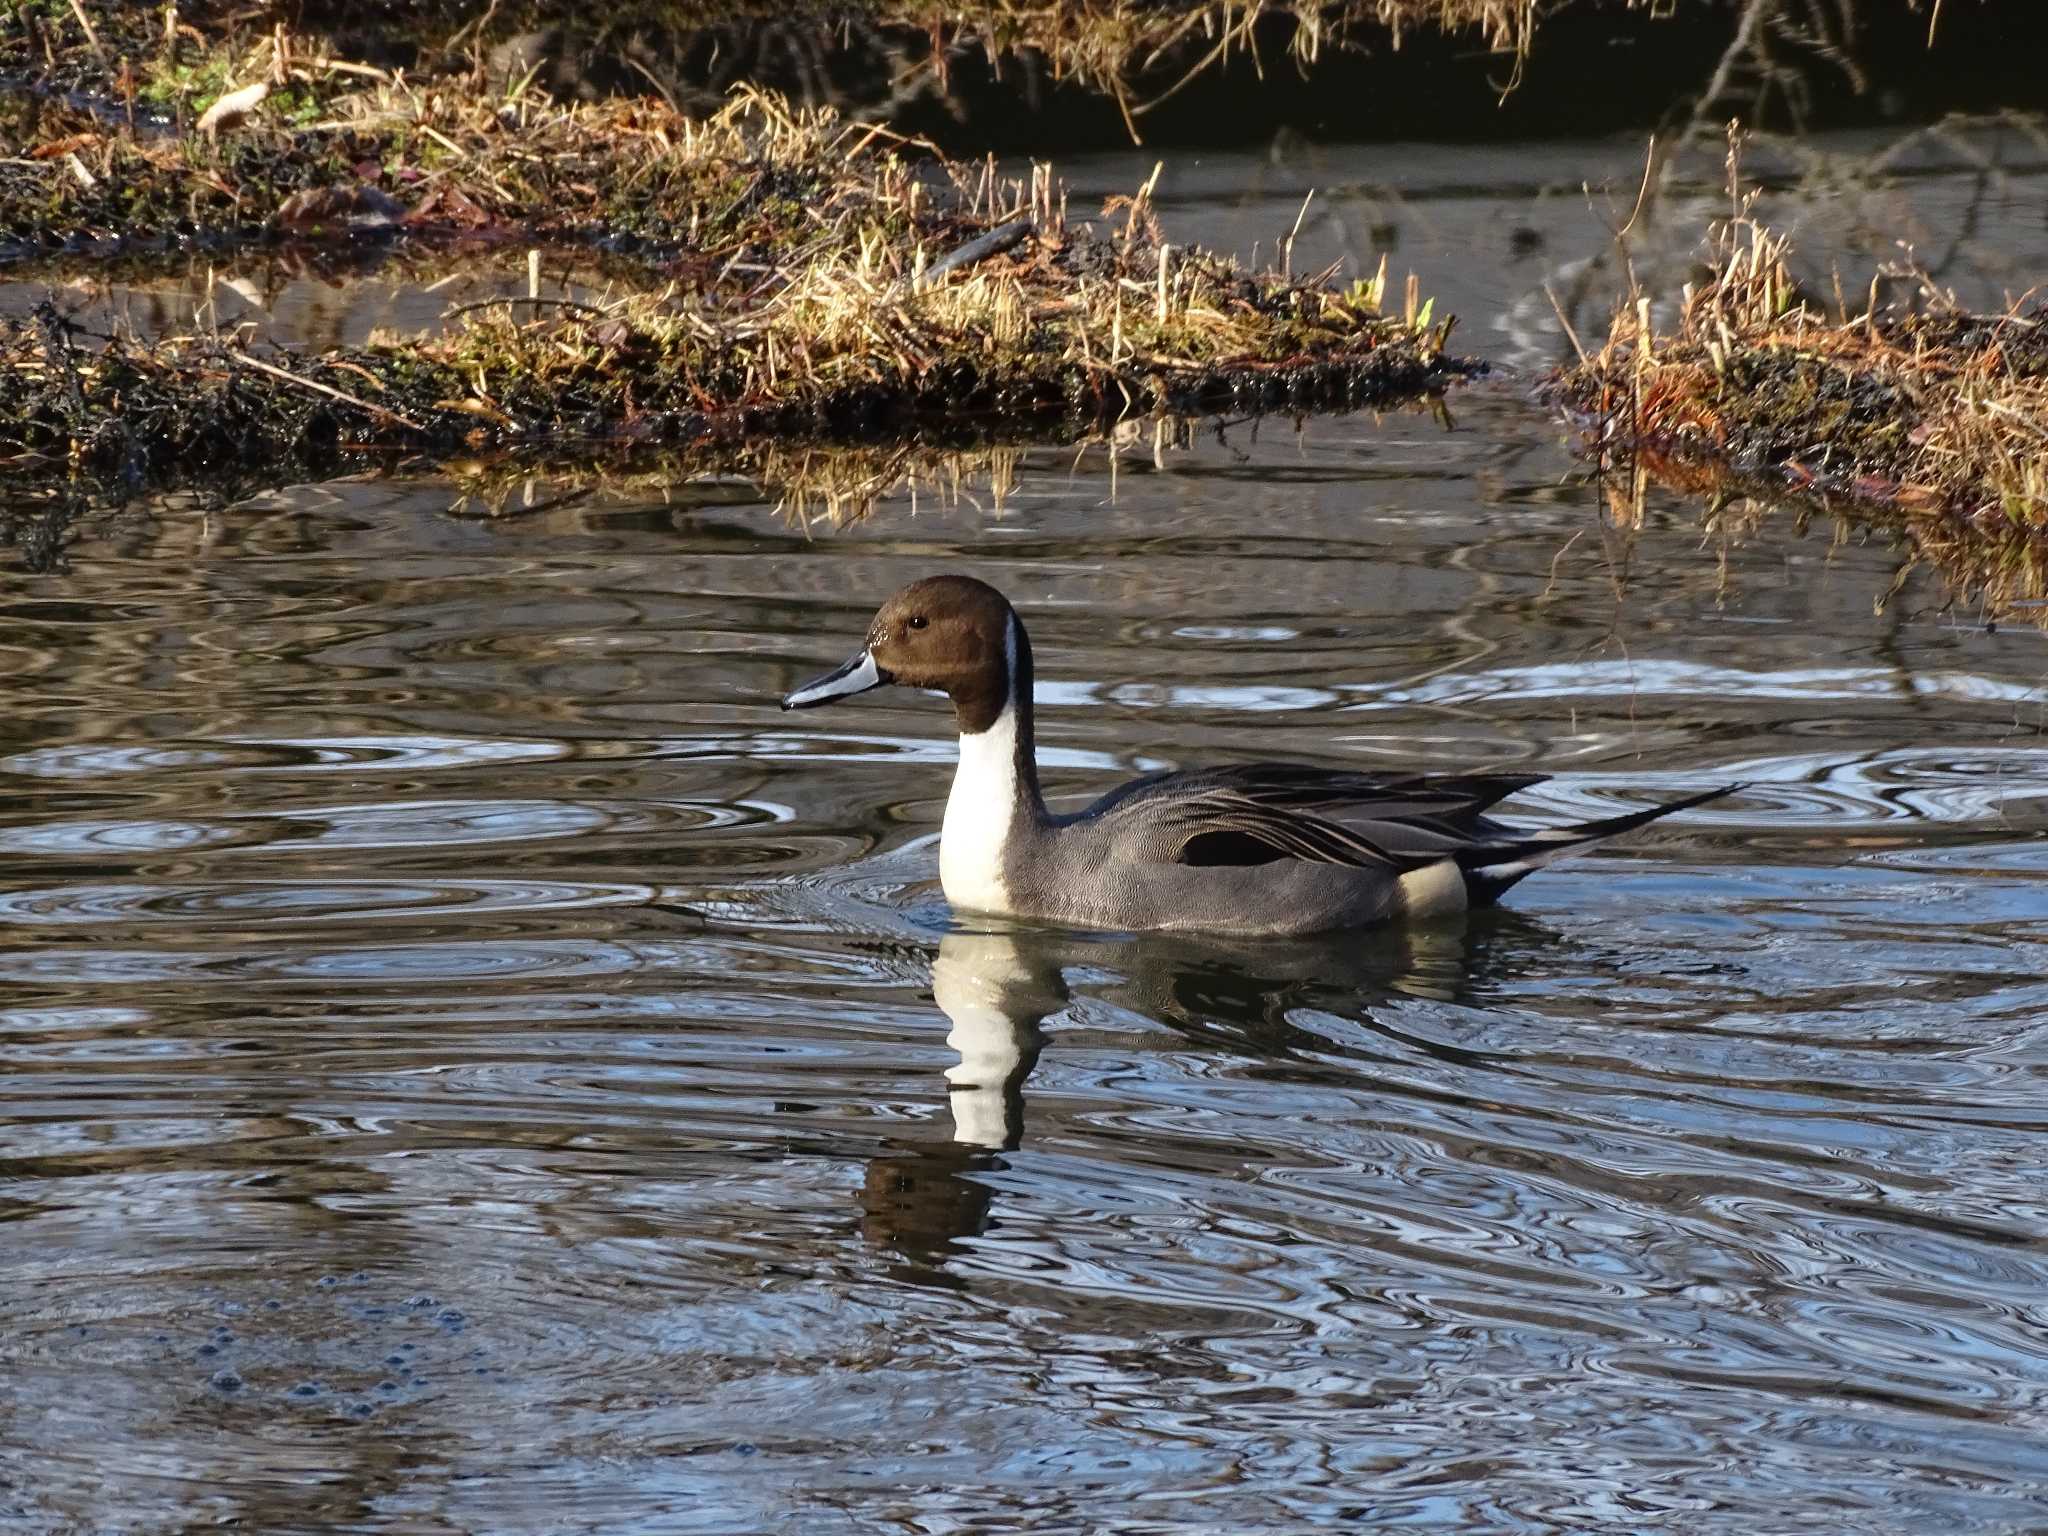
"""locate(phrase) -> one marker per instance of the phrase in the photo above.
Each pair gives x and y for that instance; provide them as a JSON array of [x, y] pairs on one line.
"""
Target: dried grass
[[840, 292], [1142, 52], [1918, 415]]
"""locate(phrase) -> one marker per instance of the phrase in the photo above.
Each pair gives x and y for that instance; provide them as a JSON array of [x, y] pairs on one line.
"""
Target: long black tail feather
[[1490, 868]]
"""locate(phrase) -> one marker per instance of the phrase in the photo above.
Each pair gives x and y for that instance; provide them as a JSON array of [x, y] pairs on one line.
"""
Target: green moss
[[193, 85]]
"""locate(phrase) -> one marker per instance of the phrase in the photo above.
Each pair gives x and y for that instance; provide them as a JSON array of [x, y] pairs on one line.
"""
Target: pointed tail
[[1493, 866]]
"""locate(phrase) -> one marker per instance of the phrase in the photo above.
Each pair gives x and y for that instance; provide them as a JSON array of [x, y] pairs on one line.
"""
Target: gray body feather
[[1278, 849]]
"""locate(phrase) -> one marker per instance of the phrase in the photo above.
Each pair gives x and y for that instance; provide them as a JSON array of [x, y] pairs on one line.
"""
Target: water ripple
[[1945, 785], [353, 754], [398, 824], [447, 1009], [1670, 677], [288, 902]]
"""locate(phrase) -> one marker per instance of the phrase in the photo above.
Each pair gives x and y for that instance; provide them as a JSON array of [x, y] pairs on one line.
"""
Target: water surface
[[472, 1064]]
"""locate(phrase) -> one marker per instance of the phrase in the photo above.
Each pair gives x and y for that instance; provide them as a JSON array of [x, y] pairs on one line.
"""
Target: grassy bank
[[339, 154], [1034, 77], [177, 60], [821, 287], [1915, 416]]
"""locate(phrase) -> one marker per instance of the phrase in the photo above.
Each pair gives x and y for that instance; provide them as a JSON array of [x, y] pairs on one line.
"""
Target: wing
[[1451, 797], [1261, 812]]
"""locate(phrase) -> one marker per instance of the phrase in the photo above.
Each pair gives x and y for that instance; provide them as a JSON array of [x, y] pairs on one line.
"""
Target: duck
[[1260, 849]]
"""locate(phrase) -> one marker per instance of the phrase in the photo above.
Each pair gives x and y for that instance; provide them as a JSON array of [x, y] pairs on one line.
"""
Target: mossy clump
[[1920, 415], [324, 152]]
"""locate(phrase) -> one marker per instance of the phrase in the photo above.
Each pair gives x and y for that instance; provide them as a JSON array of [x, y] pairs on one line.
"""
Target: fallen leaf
[[63, 146], [448, 204]]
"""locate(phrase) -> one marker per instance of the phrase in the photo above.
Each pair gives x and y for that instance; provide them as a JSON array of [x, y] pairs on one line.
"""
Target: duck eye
[[917, 621]]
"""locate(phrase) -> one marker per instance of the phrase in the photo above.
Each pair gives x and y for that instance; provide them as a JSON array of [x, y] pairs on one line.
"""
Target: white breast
[[979, 815]]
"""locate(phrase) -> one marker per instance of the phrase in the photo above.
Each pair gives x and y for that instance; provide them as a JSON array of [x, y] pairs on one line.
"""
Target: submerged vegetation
[[1920, 417]]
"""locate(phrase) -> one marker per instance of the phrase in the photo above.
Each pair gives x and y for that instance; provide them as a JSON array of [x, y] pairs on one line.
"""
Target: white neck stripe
[[981, 812], [1009, 672]]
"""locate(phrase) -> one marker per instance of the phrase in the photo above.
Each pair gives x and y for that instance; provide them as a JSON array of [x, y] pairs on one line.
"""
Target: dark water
[[472, 1064]]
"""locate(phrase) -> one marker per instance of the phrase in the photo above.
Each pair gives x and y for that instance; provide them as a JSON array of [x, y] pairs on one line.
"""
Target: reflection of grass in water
[[2003, 578], [815, 484], [1920, 417]]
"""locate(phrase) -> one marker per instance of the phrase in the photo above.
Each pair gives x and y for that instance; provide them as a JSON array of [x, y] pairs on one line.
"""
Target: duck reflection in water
[[1000, 987]]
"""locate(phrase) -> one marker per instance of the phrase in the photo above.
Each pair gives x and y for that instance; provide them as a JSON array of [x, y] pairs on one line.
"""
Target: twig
[[1570, 335], [980, 248], [343, 67], [661, 87], [521, 298], [1753, 17], [1116, 87], [444, 141], [327, 389], [1642, 192], [1557, 559], [91, 36], [1287, 245]]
